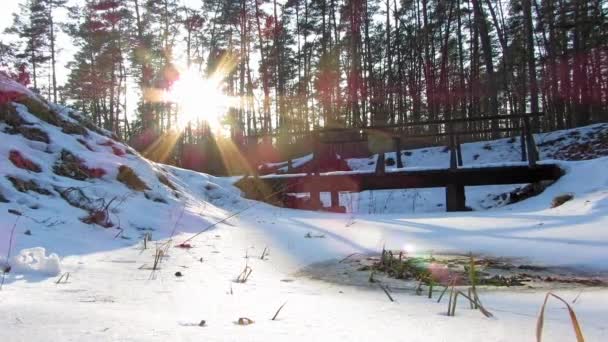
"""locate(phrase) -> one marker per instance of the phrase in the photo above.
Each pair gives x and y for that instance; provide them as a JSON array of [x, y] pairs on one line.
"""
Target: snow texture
[[35, 261]]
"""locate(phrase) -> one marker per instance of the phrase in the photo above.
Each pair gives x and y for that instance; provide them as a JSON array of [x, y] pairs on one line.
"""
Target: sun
[[199, 99]]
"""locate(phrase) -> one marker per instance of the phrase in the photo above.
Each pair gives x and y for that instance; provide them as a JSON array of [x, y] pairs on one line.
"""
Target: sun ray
[[200, 99]]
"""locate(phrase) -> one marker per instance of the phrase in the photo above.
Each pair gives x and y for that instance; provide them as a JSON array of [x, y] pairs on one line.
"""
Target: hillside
[[74, 201]]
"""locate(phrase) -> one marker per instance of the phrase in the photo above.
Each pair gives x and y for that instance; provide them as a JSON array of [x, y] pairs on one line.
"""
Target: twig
[[386, 291], [279, 310], [347, 257], [10, 246], [264, 253], [66, 275]]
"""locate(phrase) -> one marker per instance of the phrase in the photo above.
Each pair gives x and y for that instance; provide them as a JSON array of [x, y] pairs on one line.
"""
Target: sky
[[67, 49]]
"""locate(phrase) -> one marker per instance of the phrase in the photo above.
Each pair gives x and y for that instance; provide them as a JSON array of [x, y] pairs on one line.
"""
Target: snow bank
[[34, 260]]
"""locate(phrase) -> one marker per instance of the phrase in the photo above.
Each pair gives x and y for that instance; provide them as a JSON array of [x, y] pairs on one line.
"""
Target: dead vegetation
[[20, 161], [128, 177], [98, 210], [39, 109], [244, 275], [164, 180], [277, 313], [578, 332], [68, 127], [69, 165], [17, 125], [561, 199], [26, 186], [44, 112], [31, 133], [9, 115]]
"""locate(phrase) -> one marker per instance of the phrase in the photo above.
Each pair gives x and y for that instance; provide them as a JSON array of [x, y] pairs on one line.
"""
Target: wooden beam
[[356, 182]]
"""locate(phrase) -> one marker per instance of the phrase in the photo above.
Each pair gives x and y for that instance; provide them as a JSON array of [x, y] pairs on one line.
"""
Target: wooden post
[[455, 197], [335, 200], [522, 140], [530, 144], [397, 141], [459, 150], [289, 165], [453, 156], [380, 167], [315, 195]]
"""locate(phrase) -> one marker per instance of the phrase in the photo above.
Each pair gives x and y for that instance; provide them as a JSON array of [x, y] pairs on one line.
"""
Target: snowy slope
[[112, 294]]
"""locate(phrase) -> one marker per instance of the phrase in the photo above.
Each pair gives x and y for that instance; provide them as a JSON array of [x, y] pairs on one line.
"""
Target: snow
[[34, 260], [112, 294]]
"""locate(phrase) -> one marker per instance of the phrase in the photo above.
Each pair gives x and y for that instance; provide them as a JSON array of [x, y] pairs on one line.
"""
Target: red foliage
[[98, 217], [21, 162], [95, 172], [9, 96], [118, 151], [22, 76]]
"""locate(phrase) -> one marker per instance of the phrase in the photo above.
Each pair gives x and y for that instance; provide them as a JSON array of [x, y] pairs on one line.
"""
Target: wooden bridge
[[272, 188], [275, 188]]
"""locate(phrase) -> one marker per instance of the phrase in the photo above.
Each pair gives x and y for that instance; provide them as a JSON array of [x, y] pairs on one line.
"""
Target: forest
[[292, 67]]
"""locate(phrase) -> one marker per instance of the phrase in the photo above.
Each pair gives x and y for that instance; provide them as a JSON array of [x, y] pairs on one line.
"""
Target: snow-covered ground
[[113, 295]]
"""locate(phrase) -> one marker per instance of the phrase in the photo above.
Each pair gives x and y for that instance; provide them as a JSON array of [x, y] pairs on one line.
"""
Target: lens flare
[[199, 99]]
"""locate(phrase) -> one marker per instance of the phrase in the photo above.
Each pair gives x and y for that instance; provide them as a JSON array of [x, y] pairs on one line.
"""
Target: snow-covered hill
[[75, 201]]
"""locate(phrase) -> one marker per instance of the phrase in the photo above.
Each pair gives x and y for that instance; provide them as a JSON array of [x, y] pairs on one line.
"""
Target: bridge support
[[335, 200], [455, 198]]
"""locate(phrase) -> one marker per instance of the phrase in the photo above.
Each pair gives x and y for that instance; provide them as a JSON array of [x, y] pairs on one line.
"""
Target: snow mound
[[35, 261]]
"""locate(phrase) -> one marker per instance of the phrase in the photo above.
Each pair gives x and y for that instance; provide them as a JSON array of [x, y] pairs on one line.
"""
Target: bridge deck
[[454, 180]]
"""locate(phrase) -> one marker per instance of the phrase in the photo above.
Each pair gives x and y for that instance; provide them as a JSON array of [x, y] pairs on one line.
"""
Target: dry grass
[[244, 275], [128, 177], [63, 279], [10, 247], [264, 253], [578, 332]]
